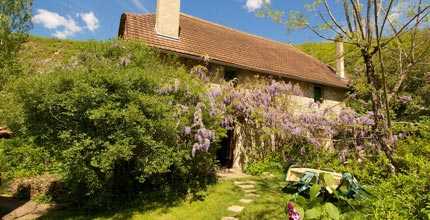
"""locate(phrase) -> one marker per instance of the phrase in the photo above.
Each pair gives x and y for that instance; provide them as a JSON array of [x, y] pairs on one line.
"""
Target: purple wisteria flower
[[262, 107], [347, 116], [227, 122], [296, 131], [203, 138], [292, 212], [366, 119], [201, 72], [297, 90], [187, 130], [215, 92], [272, 89]]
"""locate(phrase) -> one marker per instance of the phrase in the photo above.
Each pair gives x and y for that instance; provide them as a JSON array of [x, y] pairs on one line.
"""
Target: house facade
[[233, 54]]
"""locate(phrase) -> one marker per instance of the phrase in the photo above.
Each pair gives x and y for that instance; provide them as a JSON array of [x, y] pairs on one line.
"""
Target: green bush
[[271, 164], [20, 159], [113, 118], [404, 194]]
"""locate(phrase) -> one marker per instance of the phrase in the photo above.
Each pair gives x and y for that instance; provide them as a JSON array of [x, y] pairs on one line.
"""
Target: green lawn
[[269, 205]]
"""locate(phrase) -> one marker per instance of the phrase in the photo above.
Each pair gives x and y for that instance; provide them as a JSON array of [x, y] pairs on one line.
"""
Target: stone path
[[250, 194], [228, 174], [29, 210]]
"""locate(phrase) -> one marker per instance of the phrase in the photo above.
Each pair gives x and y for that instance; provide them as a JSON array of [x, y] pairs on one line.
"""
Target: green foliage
[[325, 211], [21, 159], [317, 208], [406, 194], [314, 191], [43, 198], [400, 195], [113, 119], [271, 163], [15, 22]]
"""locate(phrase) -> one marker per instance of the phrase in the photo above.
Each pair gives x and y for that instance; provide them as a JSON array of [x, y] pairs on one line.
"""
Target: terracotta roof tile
[[202, 38]]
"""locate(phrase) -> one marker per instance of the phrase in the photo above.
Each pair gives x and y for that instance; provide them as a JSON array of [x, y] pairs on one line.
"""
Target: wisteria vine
[[269, 117]]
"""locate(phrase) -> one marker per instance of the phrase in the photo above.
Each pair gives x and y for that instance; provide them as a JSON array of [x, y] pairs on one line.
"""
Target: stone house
[[238, 55]]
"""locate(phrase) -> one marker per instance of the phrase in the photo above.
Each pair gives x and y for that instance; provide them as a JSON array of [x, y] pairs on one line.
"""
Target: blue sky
[[99, 19]]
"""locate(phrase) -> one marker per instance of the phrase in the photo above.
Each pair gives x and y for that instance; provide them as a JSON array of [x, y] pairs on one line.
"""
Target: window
[[230, 75], [318, 94]]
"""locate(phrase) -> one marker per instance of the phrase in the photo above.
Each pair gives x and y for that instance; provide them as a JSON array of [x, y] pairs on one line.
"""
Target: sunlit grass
[[271, 203], [214, 206]]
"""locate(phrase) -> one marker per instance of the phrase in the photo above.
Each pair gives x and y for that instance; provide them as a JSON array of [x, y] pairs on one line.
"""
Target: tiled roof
[[199, 38]]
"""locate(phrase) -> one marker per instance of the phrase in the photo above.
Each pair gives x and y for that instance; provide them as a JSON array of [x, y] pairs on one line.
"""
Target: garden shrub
[[113, 119], [272, 164], [403, 194], [19, 158]]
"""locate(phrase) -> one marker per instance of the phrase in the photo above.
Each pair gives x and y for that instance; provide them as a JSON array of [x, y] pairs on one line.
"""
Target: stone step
[[246, 201], [229, 218], [235, 208], [247, 186], [250, 182], [251, 195], [250, 191]]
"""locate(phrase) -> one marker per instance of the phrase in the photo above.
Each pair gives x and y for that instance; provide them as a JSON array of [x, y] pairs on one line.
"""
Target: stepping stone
[[229, 218], [253, 195], [250, 191], [250, 182], [246, 201], [235, 208], [247, 186]]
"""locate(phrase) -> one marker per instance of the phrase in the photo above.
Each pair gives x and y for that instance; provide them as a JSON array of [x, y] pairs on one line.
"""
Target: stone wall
[[332, 97]]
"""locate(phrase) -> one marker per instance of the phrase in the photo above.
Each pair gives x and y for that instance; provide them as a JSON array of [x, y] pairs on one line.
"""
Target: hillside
[[41, 53]]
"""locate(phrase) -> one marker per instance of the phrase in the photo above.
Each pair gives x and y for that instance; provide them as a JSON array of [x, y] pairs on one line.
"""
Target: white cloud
[[139, 5], [253, 5], [91, 21], [64, 27]]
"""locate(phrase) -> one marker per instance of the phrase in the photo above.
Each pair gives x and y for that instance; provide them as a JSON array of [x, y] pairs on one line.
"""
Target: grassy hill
[[40, 53]]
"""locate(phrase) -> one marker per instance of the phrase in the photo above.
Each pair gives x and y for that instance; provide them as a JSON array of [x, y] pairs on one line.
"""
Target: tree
[[15, 22], [370, 26]]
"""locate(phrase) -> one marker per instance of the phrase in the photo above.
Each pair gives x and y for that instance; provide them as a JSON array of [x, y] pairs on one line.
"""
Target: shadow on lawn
[[126, 211], [145, 202], [8, 204]]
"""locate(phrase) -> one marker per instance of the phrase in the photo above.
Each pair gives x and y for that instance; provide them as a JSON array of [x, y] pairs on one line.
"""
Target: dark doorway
[[225, 154]]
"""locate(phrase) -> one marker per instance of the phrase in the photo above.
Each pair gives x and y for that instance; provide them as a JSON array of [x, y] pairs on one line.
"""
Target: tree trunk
[[380, 128]]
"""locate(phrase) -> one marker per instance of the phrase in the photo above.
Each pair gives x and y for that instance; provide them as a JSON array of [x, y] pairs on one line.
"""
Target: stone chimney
[[167, 18], [340, 57]]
